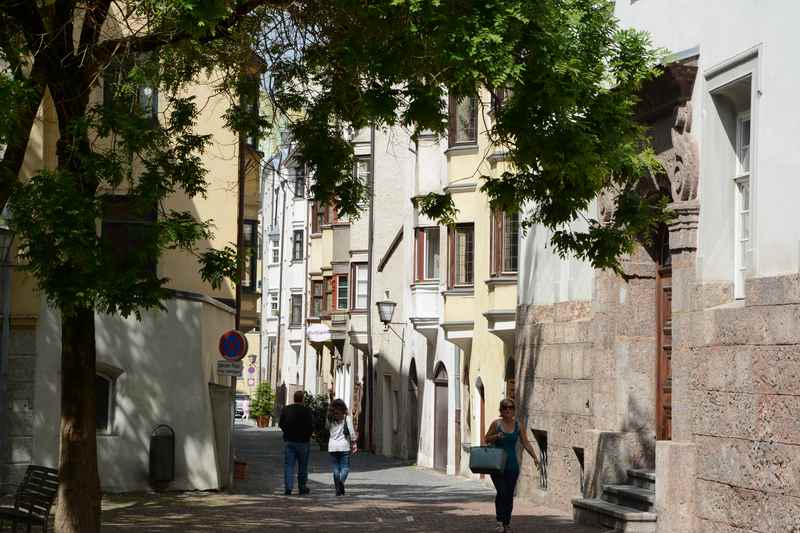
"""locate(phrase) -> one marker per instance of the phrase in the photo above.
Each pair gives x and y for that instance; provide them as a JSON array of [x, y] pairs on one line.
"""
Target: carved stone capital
[[683, 228]]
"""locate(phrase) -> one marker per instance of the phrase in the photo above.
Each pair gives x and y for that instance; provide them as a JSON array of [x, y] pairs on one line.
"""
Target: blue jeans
[[341, 466], [296, 452], [505, 484]]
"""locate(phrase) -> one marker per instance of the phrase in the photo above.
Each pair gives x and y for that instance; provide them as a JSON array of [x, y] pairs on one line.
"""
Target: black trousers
[[505, 484]]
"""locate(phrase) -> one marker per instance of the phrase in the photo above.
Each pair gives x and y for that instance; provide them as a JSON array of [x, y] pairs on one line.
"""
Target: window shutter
[[420, 254], [314, 220], [334, 292], [451, 259], [452, 116]]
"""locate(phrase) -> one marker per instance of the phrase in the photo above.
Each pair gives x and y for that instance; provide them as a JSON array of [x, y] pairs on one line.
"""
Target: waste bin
[[162, 454]]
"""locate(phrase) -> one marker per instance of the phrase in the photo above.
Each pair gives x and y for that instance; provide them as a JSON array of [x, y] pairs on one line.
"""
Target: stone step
[[642, 478], [600, 513], [630, 496]]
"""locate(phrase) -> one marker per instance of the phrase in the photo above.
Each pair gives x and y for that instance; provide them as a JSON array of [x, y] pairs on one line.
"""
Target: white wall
[[165, 363], [544, 278], [722, 29]]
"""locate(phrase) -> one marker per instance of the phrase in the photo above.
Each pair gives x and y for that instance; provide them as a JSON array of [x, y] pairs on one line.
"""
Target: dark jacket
[[296, 423]]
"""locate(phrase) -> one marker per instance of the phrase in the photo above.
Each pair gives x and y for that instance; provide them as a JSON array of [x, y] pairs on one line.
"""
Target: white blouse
[[338, 441]]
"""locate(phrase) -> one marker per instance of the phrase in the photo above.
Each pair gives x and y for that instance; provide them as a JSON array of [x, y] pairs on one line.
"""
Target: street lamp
[[6, 240], [386, 312]]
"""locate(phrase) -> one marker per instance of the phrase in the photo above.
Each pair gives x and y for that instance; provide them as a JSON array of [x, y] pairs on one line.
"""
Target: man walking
[[297, 425]]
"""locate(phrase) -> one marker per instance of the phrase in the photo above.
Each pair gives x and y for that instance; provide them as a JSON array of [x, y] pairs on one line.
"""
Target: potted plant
[[262, 403], [319, 409]]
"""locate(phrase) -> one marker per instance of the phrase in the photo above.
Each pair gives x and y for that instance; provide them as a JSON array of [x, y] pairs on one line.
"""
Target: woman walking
[[340, 444], [504, 433]]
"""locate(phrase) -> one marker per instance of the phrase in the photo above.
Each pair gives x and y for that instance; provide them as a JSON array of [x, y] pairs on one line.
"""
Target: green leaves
[[568, 124]]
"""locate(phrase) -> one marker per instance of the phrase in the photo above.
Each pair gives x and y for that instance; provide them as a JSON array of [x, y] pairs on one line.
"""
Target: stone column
[[675, 459]]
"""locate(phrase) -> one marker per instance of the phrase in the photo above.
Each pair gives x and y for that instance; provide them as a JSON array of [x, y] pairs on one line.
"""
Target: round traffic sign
[[233, 345]]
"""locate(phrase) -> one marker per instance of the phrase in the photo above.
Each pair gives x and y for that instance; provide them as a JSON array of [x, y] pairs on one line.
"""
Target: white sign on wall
[[229, 368], [318, 333]]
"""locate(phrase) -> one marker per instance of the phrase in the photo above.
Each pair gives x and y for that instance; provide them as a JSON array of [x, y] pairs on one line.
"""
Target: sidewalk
[[382, 495]]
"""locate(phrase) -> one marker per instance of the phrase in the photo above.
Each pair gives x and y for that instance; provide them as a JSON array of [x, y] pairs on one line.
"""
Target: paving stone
[[383, 494]]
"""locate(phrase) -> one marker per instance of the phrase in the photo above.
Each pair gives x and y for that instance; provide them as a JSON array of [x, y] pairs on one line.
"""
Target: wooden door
[[440, 419], [664, 353]]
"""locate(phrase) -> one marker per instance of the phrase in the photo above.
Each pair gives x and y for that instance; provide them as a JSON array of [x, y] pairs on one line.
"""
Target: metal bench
[[34, 498]]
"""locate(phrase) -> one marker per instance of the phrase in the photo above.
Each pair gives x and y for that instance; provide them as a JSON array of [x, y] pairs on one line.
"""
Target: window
[[296, 314], [499, 97], [463, 127], [300, 182], [275, 250], [742, 246], [118, 92], [248, 99], [317, 218], [104, 389], [505, 244], [327, 295], [129, 236], [342, 292], [427, 251], [364, 175], [462, 244], [273, 304], [250, 242], [361, 285], [297, 245], [317, 290]]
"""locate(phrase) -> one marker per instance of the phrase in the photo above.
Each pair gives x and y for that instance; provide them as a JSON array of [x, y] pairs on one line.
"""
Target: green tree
[[263, 401], [567, 123]]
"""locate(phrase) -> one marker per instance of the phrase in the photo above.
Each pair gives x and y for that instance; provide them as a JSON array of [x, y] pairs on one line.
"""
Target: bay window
[[427, 254], [462, 255]]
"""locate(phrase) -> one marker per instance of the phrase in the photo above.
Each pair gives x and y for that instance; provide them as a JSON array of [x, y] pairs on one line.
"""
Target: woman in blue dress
[[506, 432]]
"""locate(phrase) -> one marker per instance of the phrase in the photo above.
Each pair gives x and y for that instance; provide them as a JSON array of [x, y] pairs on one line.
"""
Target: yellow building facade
[[482, 262]]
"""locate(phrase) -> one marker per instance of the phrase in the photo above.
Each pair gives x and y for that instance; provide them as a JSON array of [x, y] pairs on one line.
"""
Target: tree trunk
[[78, 507]]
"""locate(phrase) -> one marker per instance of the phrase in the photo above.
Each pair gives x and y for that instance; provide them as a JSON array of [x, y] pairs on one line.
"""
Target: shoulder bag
[[487, 459]]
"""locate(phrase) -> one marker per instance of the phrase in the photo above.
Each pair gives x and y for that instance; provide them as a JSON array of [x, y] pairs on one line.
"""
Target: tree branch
[[29, 19], [17, 146], [153, 41], [96, 14]]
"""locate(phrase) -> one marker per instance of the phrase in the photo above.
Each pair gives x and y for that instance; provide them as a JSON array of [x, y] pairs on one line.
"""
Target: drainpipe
[[307, 236], [278, 345], [240, 232], [371, 239]]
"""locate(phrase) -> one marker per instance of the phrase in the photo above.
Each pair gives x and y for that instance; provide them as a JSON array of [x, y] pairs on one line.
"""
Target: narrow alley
[[382, 495]]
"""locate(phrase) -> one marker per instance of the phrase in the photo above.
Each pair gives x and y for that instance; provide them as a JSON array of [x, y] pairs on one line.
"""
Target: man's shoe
[[287, 492], [508, 529], [500, 528], [304, 490]]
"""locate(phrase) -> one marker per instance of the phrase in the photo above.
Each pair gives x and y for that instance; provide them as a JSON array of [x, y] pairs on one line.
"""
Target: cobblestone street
[[382, 495]]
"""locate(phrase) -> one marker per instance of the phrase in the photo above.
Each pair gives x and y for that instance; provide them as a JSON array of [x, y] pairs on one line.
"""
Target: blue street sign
[[233, 345]]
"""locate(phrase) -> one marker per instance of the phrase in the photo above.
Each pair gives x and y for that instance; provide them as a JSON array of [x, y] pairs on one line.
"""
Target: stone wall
[[22, 370], [586, 383], [744, 407]]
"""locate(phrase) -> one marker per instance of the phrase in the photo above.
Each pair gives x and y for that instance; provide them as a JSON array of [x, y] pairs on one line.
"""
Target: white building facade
[[678, 385]]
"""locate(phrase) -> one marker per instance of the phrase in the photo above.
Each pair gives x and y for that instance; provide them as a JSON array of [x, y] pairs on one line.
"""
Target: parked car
[[241, 400]]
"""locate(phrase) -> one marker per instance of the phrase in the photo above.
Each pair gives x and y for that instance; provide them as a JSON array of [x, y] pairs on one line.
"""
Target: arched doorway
[[511, 377], [441, 408], [413, 414]]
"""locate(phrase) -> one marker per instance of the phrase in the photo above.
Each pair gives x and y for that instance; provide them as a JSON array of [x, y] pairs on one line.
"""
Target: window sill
[[462, 149], [358, 311], [295, 326], [425, 283], [502, 279], [459, 291], [315, 235]]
